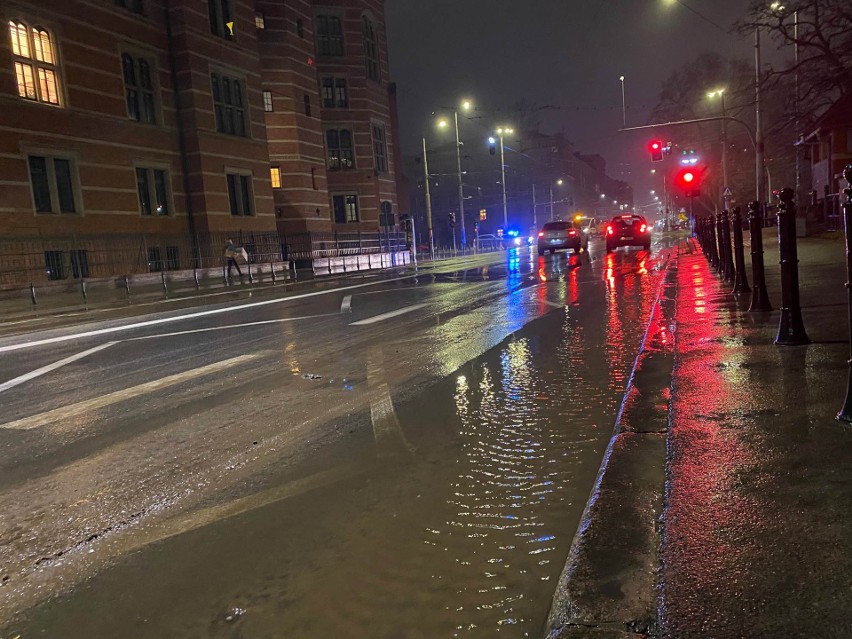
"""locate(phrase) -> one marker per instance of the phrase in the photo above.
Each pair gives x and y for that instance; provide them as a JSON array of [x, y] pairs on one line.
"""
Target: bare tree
[[821, 30]]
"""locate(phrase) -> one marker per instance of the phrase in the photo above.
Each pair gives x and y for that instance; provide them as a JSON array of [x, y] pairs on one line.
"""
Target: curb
[[608, 587]]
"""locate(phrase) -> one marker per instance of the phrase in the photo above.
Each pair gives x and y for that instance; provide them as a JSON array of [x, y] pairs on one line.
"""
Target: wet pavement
[[407, 457]]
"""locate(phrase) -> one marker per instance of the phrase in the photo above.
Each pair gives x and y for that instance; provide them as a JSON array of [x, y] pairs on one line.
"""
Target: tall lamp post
[[465, 106], [500, 133], [726, 198], [623, 103], [428, 203]]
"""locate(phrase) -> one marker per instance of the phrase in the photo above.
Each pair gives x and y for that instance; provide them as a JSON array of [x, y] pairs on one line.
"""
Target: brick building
[[193, 117]]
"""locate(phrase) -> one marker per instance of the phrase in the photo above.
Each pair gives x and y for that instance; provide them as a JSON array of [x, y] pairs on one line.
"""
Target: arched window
[[371, 50], [34, 60]]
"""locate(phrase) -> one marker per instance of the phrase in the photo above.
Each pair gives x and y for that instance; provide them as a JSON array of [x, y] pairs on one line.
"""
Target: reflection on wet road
[[459, 497]]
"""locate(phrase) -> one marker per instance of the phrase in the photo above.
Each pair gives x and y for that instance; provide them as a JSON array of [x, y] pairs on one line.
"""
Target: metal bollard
[[759, 296], [728, 266], [740, 278], [83, 291], [845, 414], [791, 329], [195, 277], [33, 294], [711, 241], [720, 246]]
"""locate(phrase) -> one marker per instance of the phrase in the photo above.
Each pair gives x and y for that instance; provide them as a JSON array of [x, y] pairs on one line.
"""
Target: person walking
[[231, 252]]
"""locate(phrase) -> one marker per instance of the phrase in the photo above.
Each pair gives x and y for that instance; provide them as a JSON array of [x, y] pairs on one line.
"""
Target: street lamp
[[721, 94], [500, 133], [466, 105], [623, 103], [559, 182], [428, 202]]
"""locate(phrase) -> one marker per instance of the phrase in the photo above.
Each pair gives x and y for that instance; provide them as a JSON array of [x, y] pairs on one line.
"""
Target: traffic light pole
[[428, 203]]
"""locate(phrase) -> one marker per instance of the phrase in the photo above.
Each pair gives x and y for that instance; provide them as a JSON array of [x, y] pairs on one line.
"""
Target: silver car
[[562, 235]]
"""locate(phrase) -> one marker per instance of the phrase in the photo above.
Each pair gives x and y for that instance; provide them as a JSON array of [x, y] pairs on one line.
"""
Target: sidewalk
[[755, 535]]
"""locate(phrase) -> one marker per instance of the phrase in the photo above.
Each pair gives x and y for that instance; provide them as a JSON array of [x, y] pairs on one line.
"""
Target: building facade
[[193, 117]]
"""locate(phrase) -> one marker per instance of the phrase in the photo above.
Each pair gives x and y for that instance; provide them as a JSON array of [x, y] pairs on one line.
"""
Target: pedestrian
[[231, 252]]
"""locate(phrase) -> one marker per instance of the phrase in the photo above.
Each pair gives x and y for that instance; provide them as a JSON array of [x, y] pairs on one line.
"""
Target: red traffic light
[[656, 149], [689, 180]]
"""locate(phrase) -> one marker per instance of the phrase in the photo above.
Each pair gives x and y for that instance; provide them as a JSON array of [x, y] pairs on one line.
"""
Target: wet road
[[403, 456]]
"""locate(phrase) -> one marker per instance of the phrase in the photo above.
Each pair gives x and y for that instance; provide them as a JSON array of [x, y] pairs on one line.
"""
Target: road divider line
[[346, 305], [553, 304], [17, 381], [178, 318], [386, 316], [80, 408]]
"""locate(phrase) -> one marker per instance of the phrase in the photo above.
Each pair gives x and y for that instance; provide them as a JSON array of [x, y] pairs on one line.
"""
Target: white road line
[[51, 367], [80, 408], [178, 318], [384, 316], [228, 327], [553, 304], [346, 305]]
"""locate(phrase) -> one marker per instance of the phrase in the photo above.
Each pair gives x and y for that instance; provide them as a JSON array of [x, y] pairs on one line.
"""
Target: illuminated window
[[329, 36], [139, 89], [341, 153], [275, 177], [259, 21], [371, 50], [267, 101], [34, 60]]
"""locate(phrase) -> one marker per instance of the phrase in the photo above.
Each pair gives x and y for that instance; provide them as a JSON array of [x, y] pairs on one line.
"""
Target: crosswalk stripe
[[95, 403]]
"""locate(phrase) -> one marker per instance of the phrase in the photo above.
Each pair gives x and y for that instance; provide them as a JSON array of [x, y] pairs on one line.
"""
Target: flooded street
[[443, 506]]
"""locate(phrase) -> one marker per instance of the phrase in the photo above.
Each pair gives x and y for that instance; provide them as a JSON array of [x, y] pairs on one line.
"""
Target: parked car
[[628, 230], [555, 236]]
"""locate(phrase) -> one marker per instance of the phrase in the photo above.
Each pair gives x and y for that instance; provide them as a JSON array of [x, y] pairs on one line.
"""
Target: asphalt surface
[[146, 458]]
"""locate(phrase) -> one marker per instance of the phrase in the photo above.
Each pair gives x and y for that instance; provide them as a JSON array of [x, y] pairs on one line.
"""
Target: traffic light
[[483, 215], [492, 145], [452, 219], [656, 149], [689, 181]]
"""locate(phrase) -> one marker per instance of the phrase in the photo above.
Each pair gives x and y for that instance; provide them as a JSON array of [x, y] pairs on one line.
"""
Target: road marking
[[228, 326], [553, 304], [80, 408], [385, 316], [346, 305], [178, 318], [51, 367]]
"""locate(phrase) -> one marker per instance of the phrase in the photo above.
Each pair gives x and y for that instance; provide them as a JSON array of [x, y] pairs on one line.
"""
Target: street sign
[[727, 192]]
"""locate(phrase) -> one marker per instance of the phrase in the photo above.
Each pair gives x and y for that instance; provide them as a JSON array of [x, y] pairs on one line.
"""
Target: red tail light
[[642, 228], [609, 230], [541, 234], [572, 233]]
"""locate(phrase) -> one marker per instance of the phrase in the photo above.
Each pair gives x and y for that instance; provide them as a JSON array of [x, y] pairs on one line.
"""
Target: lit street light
[[466, 105], [500, 133], [721, 94]]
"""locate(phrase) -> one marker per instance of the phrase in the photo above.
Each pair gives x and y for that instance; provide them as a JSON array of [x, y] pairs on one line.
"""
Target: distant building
[[830, 147], [194, 117]]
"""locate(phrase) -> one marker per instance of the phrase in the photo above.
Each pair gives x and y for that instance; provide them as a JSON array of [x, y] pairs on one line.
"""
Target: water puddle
[[460, 530]]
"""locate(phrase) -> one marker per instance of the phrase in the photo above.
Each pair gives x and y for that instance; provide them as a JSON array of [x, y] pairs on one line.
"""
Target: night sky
[[564, 53]]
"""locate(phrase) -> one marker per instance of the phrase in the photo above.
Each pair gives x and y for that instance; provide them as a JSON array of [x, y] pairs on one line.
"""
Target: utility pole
[[428, 203], [535, 218], [551, 202], [725, 197], [503, 180], [623, 103], [798, 98], [461, 185], [759, 145]]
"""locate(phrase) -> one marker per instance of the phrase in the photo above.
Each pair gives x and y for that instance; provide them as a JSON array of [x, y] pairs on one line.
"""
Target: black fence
[[35, 260]]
